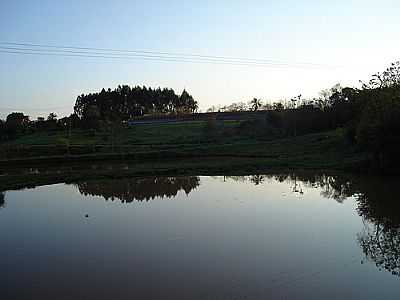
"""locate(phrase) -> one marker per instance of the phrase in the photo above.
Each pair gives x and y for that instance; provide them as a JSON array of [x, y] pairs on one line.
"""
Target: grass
[[183, 141], [164, 150], [64, 172], [148, 134]]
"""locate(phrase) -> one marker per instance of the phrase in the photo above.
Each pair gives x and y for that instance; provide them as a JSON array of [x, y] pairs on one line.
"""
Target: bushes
[[288, 122], [379, 130]]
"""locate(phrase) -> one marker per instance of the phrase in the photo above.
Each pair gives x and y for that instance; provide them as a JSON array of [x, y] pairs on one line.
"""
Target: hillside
[[165, 142]]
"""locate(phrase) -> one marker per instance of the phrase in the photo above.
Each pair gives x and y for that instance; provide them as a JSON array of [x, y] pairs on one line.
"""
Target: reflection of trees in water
[[381, 245], [377, 204], [379, 207], [256, 179], [332, 186], [139, 189], [2, 199], [335, 187]]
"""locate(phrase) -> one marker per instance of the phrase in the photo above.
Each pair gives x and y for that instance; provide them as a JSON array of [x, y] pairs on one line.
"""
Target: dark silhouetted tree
[[16, 122], [255, 104]]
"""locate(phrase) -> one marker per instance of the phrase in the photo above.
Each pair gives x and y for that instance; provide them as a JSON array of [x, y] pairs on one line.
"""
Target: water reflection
[[2, 199], [144, 189], [377, 204], [337, 187], [139, 189], [376, 198], [381, 245], [379, 207]]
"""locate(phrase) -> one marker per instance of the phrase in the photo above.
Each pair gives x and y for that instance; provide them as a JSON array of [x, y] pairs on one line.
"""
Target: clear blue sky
[[358, 37]]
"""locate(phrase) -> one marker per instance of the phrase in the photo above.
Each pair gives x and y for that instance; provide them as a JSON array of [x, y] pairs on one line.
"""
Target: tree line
[[369, 116], [127, 102], [93, 110]]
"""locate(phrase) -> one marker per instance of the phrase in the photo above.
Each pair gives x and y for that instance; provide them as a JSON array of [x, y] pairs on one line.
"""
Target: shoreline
[[32, 175]]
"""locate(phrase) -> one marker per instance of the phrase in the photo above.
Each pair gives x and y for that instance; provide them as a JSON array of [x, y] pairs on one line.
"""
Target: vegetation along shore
[[345, 128]]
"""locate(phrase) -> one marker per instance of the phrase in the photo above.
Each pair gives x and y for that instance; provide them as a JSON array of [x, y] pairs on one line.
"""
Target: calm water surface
[[252, 237]]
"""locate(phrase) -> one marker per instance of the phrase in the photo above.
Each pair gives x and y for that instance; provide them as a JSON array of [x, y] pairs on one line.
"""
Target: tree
[[295, 101], [16, 122], [278, 106], [128, 102], [388, 78], [378, 118], [234, 107], [187, 103], [52, 117], [92, 117], [255, 104], [379, 129], [17, 119]]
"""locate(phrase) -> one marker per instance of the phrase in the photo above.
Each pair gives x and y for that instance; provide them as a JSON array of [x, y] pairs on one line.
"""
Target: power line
[[132, 58], [157, 53], [162, 59], [53, 50], [129, 55]]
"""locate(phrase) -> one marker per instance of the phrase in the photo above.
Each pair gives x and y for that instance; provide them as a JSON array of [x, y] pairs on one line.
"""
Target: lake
[[285, 236]]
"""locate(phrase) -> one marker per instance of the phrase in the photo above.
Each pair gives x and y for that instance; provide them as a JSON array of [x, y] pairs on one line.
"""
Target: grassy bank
[[147, 134], [168, 149], [45, 174], [34, 164], [320, 150]]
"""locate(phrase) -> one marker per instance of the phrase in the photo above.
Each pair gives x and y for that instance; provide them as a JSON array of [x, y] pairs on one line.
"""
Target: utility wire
[[52, 50], [132, 58], [143, 58], [155, 52], [129, 55]]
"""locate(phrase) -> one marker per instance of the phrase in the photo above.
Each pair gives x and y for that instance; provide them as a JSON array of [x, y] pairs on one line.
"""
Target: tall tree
[[255, 104], [16, 122]]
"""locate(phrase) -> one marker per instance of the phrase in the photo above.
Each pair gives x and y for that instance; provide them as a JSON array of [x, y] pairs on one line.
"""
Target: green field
[[171, 150], [187, 140], [157, 134]]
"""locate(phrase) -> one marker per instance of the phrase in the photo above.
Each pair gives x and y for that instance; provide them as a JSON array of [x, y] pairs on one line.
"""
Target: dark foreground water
[[253, 237]]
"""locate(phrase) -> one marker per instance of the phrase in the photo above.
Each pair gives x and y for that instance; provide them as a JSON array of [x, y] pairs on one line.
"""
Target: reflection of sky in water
[[223, 239]]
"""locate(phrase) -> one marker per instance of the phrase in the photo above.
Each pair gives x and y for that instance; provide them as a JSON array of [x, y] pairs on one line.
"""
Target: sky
[[348, 40]]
